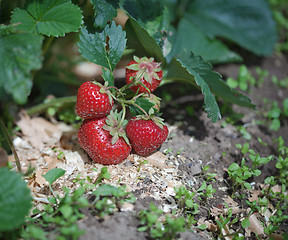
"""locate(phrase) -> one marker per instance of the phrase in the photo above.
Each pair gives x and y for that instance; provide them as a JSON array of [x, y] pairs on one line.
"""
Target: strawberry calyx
[[115, 125], [146, 68], [156, 119], [105, 89]]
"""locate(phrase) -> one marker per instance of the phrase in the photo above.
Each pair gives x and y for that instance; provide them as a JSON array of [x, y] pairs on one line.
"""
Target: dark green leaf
[[190, 70], [54, 174], [93, 46], [140, 40], [248, 23], [21, 53], [15, 200], [103, 12], [108, 77], [143, 103], [48, 17], [190, 38]]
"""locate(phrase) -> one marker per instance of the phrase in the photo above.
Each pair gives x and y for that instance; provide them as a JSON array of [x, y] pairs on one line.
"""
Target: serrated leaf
[[15, 200], [144, 103], [193, 70], [248, 23], [189, 70], [21, 53], [54, 174], [190, 38], [140, 40], [93, 45], [103, 11], [48, 17]]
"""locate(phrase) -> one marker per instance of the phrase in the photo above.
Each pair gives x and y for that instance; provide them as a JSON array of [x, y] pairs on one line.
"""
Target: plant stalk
[[11, 145]]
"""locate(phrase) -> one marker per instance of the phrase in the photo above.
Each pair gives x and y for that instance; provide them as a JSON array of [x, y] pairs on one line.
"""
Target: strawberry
[[146, 135], [104, 142], [93, 100], [143, 71]]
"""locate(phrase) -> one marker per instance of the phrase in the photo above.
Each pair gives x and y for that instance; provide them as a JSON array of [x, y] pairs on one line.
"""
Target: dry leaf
[[39, 179], [215, 211], [158, 159], [38, 131], [255, 225], [210, 226]]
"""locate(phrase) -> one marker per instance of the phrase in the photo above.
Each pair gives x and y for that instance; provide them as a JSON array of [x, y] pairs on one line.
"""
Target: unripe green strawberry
[[93, 100], [143, 71], [103, 146], [146, 135]]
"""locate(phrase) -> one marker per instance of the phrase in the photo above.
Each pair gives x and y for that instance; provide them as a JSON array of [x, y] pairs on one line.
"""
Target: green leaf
[[245, 223], [144, 103], [189, 70], [233, 167], [285, 107], [21, 53], [108, 190], [15, 200], [247, 23], [140, 40], [66, 211], [52, 175], [94, 48], [103, 12], [202, 227], [48, 17], [247, 185], [108, 77], [191, 38]]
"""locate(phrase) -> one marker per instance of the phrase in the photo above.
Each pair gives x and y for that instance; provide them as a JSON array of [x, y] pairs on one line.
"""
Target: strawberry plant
[[164, 34]]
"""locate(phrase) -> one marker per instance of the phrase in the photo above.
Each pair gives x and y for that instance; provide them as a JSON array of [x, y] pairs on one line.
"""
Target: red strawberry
[[144, 70], [146, 135], [93, 101], [100, 145]]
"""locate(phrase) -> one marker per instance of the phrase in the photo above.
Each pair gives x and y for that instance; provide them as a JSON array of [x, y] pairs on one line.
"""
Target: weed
[[206, 190], [241, 173], [108, 197], [150, 222], [245, 79], [141, 163]]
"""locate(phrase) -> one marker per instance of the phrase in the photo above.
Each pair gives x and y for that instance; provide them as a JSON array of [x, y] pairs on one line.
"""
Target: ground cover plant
[[77, 157]]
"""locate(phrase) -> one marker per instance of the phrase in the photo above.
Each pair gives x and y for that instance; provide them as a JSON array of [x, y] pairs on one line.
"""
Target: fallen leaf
[[39, 179], [255, 225], [38, 131], [158, 159]]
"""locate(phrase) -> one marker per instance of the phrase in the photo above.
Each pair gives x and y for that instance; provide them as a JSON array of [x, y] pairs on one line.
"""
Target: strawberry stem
[[123, 115]]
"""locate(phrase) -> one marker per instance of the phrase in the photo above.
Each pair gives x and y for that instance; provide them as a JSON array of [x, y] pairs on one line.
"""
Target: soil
[[193, 142], [200, 142]]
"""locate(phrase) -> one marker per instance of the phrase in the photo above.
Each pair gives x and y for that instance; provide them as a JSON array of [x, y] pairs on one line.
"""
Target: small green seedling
[[108, 198], [206, 190], [150, 222], [141, 163], [240, 173]]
